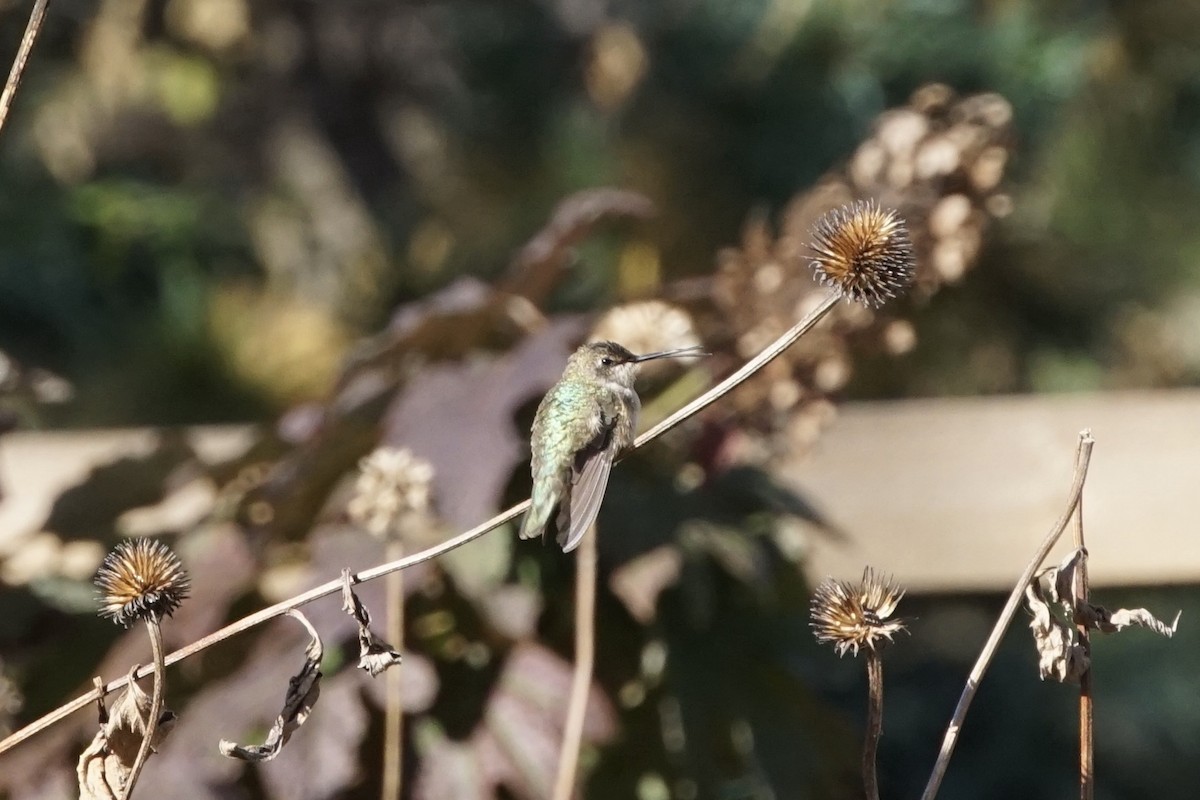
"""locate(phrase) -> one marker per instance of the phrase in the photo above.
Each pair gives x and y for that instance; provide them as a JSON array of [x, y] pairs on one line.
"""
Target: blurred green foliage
[[348, 156]]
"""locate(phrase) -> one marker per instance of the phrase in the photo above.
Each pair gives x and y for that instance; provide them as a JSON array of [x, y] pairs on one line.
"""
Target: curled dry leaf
[[1059, 654], [303, 690], [105, 765], [374, 654], [1057, 601]]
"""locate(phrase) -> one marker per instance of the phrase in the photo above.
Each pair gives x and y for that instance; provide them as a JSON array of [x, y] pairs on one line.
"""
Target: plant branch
[[32, 28], [393, 720], [150, 726], [874, 722], [1087, 754], [769, 354], [585, 653], [723, 388], [1083, 455]]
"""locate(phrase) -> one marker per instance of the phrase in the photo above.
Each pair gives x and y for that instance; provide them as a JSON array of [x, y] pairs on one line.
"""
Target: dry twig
[[585, 653], [32, 28], [1087, 757], [1083, 455], [393, 722], [156, 703]]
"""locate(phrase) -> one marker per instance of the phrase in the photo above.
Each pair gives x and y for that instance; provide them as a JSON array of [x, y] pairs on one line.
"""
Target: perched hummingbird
[[582, 424]]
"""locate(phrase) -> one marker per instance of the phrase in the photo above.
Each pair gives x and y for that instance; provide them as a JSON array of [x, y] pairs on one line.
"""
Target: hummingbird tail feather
[[538, 516], [586, 495]]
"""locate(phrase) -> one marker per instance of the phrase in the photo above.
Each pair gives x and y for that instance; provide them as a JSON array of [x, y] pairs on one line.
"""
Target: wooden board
[[957, 493], [946, 494]]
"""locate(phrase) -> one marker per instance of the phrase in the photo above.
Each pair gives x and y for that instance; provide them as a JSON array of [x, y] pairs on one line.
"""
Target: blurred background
[[331, 227]]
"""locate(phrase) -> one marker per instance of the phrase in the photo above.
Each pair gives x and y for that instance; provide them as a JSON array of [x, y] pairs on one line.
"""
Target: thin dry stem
[[393, 722], [585, 654], [156, 703], [874, 722], [1083, 455], [752, 366], [772, 351], [1087, 754], [32, 28]]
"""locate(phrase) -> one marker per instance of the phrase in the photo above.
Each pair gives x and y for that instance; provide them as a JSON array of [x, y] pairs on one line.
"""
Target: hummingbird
[[581, 425]]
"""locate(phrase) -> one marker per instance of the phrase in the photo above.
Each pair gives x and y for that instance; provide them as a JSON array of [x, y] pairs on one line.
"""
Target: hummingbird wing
[[589, 479]]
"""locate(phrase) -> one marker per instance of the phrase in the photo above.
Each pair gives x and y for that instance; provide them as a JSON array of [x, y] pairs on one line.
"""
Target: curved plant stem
[[874, 722], [32, 28], [393, 722], [772, 351], [585, 653], [156, 703], [1083, 455], [769, 354]]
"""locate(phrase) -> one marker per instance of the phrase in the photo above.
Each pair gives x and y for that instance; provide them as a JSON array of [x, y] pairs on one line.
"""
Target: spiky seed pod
[[863, 252], [140, 579], [852, 616]]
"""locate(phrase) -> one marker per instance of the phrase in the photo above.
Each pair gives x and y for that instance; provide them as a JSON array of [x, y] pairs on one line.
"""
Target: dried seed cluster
[[141, 579], [941, 159], [852, 616], [863, 252], [647, 326], [394, 489]]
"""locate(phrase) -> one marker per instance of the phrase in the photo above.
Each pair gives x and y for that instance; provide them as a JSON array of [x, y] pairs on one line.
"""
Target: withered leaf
[[324, 757], [1059, 655], [105, 764], [539, 265], [303, 690], [374, 654], [1057, 599]]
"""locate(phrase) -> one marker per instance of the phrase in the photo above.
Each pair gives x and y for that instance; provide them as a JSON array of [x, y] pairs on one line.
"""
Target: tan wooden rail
[[947, 494]]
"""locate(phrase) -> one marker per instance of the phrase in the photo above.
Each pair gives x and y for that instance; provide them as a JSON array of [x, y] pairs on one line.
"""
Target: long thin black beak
[[694, 350]]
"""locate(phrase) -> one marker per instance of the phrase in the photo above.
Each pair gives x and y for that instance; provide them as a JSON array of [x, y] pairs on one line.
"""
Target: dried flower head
[[852, 616], [647, 326], [141, 579], [392, 491], [863, 252]]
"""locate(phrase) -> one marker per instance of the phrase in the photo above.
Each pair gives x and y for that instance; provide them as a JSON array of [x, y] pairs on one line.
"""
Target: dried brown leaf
[[1059, 655], [1056, 600], [303, 690], [540, 263], [1102, 620], [105, 764], [374, 655], [324, 757]]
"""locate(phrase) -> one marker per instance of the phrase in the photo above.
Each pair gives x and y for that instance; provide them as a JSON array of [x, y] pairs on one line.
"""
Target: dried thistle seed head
[[863, 252], [851, 616], [140, 579], [394, 489]]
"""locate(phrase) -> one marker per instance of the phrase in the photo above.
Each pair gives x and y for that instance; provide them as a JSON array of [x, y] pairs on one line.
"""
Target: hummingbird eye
[[606, 362]]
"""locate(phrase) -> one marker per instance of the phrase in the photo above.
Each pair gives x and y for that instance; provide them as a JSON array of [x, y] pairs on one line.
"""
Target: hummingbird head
[[609, 362]]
